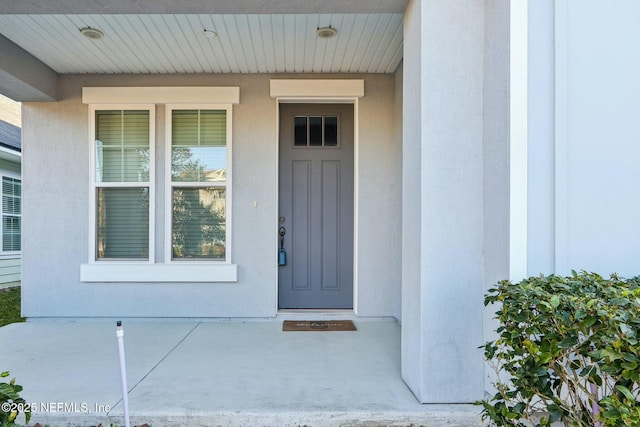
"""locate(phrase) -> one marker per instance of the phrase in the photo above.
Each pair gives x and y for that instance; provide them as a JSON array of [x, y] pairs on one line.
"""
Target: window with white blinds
[[11, 214], [122, 146], [123, 167], [198, 186]]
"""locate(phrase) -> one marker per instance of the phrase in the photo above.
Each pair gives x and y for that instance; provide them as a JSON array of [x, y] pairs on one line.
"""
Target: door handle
[[282, 255]]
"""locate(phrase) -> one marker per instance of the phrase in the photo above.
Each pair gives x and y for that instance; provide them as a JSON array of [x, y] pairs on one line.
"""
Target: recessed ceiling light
[[210, 34], [92, 33], [326, 32]]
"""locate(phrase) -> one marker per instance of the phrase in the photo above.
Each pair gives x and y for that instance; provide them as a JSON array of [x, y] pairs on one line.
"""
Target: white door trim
[[313, 88], [305, 98]]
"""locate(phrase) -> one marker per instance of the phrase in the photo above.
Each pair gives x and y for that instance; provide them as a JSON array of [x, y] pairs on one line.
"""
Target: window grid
[[198, 188], [214, 185], [11, 214], [315, 131], [122, 195]]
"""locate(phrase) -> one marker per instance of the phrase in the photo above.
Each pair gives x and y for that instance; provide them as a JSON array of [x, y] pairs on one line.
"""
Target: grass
[[10, 306]]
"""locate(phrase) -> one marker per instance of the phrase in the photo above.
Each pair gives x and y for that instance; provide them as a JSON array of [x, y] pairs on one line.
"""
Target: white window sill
[[136, 272]]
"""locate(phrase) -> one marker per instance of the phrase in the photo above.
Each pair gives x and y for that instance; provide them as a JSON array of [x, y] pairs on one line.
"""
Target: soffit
[[112, 7], [246, 43]]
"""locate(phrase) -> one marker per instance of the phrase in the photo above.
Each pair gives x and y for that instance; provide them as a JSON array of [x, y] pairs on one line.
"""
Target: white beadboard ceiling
[[251, 43]]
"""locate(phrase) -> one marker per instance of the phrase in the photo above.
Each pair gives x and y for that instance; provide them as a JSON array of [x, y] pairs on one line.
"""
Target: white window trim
[[6, 254], [158, 273], [137, 271], [93, 182], [161, 95], [169, 184]]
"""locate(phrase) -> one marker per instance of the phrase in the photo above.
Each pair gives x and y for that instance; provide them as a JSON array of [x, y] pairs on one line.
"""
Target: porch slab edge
[[456, 416]]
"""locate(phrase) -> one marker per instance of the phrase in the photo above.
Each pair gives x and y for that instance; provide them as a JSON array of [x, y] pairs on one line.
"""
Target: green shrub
[[11, 404], [567, 351]]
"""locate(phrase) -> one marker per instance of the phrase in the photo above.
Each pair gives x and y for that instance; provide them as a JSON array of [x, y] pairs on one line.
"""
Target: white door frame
[[305, 91]]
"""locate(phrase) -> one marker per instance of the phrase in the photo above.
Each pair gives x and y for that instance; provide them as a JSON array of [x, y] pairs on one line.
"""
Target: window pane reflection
[[300, 131], [199, 164], [199, 223], [331, 131], [315, 131]]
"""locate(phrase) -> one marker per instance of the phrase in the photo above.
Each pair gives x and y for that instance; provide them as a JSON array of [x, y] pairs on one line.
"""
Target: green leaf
[[627, 330], [520, 407], [545, 357], [546, 305], [611, 413], [622, 302], [568, 342], [555, 301], [592, 302], [588, 371], [625, 391], [589, 322], [554, 416], [610, 354], [7, 390]]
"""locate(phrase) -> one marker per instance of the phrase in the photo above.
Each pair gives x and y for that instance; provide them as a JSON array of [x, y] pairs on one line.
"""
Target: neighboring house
[[11, 209], [165, 151]]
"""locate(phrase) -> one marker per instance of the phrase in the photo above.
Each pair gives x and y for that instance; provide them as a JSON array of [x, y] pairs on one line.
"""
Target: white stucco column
[[442, 269], [540, 145]]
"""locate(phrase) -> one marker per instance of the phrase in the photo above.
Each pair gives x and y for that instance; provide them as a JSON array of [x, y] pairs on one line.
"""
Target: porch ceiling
[[174, 43], [40, 39]]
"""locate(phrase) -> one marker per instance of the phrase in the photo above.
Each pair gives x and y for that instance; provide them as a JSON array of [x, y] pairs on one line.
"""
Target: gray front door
[[316, 205]]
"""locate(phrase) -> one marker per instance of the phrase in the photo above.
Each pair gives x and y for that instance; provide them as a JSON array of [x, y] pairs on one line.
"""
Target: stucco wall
[[443, 232], [56, 197], [599, 199], [583, 174], [411, 197], [397, 222], [379, 201], [496, 141], [540, 146], [495, 155]]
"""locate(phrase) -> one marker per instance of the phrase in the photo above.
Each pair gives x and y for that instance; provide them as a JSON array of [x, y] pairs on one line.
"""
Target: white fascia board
[[175, 273], [11, 155], [321, 88], [161, 95]]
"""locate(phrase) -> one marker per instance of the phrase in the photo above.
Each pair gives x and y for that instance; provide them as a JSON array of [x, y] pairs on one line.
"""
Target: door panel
[[330, 231], [316, 202], [300, 226]]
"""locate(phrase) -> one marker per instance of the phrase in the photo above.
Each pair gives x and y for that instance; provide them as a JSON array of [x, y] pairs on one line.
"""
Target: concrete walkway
[[217, 373]]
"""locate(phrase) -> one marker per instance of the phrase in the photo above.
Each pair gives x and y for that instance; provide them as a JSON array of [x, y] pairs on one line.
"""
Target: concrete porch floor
[[217, 373]]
